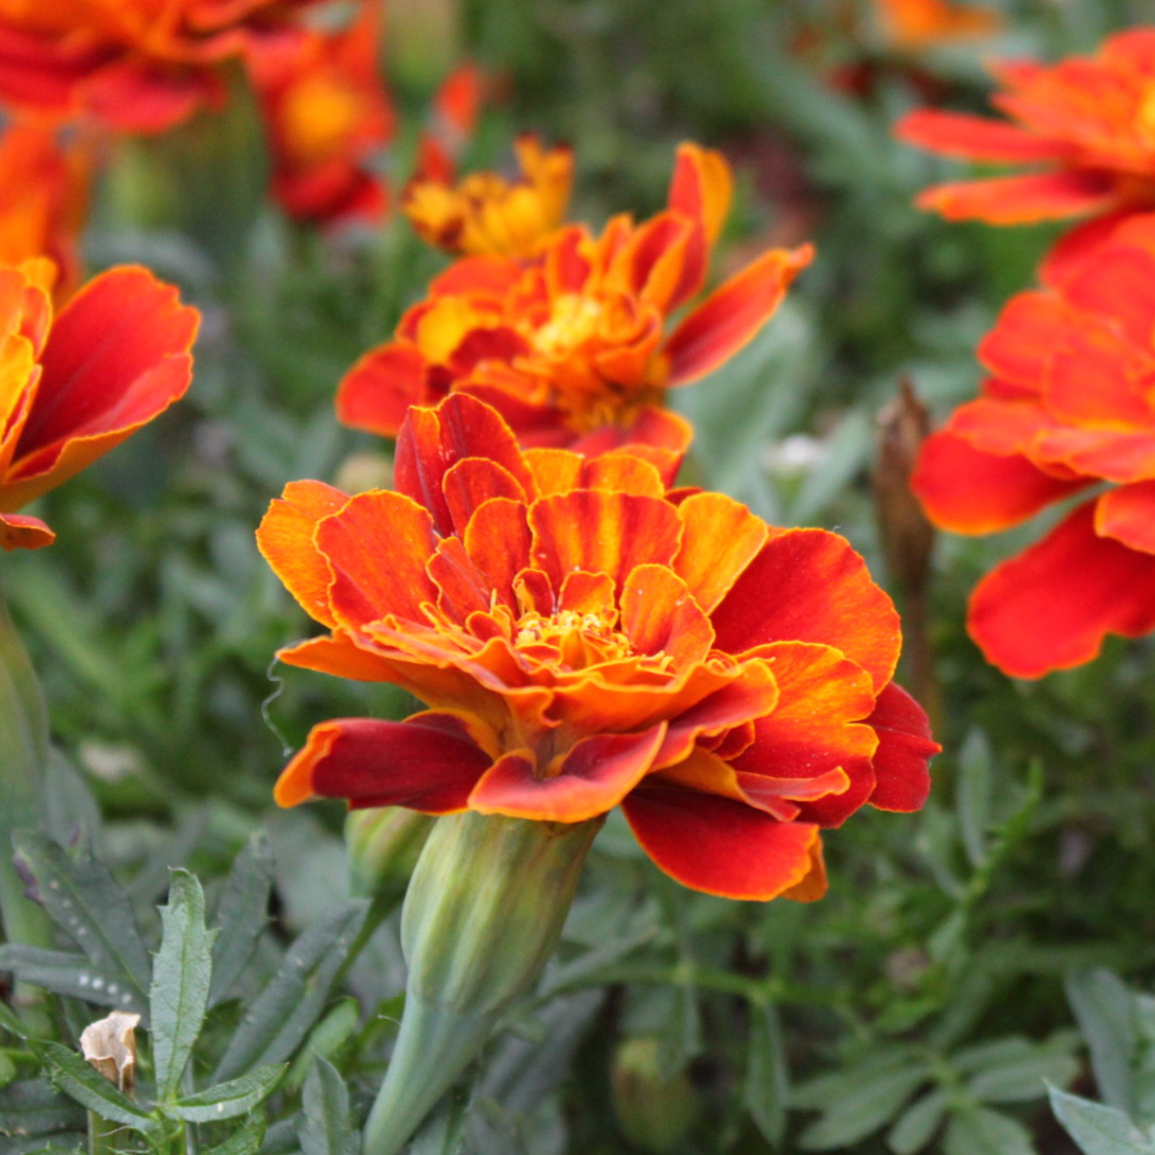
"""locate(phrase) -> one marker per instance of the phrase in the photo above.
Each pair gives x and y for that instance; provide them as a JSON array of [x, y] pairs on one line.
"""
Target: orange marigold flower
[[571, 345], [328, 115], [584, 639], [485, 213], [1070, 404], [916, 24], [75, 385], [44, 191], [1088, 121], [137, 65]]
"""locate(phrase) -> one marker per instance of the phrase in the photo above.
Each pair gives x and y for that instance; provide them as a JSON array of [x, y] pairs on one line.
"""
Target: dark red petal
[[429, 763], [719, 846], [904, 749], [18, 531], [377, 392], [1051, 607], [591, 779]]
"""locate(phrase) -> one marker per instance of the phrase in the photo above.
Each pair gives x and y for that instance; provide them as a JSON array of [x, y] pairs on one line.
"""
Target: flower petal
[[719, 540], [19, 531], [429, 762], [1127, 515], [975, 137], [808, 585], [1017, 200], [1051, 607], [719, 846], [904, 748], [377, 392], [661, 617], [591, 779]]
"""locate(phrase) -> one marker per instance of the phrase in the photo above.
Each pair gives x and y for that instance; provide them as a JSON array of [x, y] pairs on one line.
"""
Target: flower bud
[[654, 1108], [383, 845], [109, 1045]]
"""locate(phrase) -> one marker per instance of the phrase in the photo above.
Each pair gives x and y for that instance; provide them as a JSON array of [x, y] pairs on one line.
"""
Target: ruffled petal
[[904, 749], [720, 846], [719, 540], [1127, 515], [808, 585], [429, 762], [377, 392], [1051, 607], [591, 779], [18, 531], [661, 617]]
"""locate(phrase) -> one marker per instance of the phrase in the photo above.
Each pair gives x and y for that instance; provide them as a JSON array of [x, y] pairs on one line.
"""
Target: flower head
[[1070, 404], [1087, 122], [916, 24], [137, 65], [571, 345], [327, 114], [584, 638], [485, 213], [75, 385]]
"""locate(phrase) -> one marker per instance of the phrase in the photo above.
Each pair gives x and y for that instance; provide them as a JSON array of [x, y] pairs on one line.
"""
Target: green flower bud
[[383, 846], [654, 1108]]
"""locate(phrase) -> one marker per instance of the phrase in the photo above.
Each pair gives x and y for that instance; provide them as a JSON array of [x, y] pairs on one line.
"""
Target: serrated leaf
[[241, 914], [1098, 1129], [227, 1100], [83, 900], [981, 1131], [65, 973], [1107, 1015], [914, 1127], [326, 1127], [293, 998], [181, 974], [70, 1143], [767, 1078], [1016, 1069], [872, 1102], [34, 1106], [90, 1089], [246, 1140]]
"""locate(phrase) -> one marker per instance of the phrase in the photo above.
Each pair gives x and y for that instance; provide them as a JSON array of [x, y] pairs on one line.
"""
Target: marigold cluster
[[573, 345], [585, 638]]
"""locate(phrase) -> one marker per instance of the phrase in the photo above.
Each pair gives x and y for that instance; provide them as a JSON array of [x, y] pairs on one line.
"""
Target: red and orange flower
[[328, 116], [583, 638], [136, 65], [1070, 404], [75, 385], [571, 345], [910, 25], [486, 213], [1087, 121]]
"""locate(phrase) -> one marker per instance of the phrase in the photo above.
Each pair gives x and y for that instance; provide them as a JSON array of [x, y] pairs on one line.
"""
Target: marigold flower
[[584, 639], [918, 24], [327, 114], [77, 384], [44, 190], [1086, 120], [485, 213], [137, 65], [1068, 405], [571, 345]]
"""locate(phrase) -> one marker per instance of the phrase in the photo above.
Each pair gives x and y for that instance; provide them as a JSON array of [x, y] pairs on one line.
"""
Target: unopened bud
[[383, 846], [654, 1108], [109, 1045]]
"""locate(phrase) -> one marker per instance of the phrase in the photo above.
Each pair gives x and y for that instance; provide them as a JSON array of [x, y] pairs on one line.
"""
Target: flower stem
[[23, 755]]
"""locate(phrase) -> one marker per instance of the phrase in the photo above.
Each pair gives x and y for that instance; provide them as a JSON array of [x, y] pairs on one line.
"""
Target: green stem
[[23, 757]]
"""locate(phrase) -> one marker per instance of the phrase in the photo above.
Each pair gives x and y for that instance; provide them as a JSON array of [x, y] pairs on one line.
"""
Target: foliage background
[[963, 954]]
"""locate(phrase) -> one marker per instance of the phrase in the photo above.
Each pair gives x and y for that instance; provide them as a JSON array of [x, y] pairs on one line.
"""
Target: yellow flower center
[[571, 638], [573, 320]]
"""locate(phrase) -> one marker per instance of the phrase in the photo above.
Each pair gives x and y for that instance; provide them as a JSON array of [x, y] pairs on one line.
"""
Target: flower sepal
[[482, 917]]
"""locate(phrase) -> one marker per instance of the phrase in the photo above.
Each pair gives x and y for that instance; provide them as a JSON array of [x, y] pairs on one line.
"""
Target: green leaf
[[83, 900], [34, 1106], [61, 1143], [91, 1089], [326, 1038], [246, 1140], [241, 914], [915, 1126], [182, 972], [974, 795], [1107, 1015], [8, 1020], [326, 1128], [1099, 1130], [767, 1077], [293, 998], [981, 1131], [227, 1100], [1015, 1069], [64, 973]]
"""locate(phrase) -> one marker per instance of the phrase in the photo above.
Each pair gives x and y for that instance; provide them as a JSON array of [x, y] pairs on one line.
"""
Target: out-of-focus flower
[[1069, 404], [485, 213], [77, 384], [327, 115], [453, 117], [1086, 121], [911, 25], [571, 345], [585, 639], [136, 65], [44, 191]]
